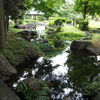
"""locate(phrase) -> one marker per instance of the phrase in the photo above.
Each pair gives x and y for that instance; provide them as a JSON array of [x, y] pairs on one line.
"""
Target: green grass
[[14, 30], [94, 24], [71, 33], [72, 29], [14, 45]]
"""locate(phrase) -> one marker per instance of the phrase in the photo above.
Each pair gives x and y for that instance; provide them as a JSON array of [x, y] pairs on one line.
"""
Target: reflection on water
[[66, 72], [41, 29], [98, 58]]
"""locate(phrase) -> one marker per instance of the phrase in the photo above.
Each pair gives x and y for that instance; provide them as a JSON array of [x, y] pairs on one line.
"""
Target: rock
[[28, 34], [6, 67], [27, 59], [31, 53], [20, 26], [6, 93], [33, 83], [94, 50], [84, 47], [80, 45], [19, 58]]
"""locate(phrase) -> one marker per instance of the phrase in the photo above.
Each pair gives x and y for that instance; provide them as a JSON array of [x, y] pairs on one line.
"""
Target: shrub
[[69, 21], [83, 25], [55, 26], [26, 93]]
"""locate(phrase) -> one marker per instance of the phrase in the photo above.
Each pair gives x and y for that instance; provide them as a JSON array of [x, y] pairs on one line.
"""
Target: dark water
[[65, 72]]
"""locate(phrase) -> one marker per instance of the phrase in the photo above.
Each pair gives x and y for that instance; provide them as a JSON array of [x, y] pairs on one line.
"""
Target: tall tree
[[85, 7], [2, 28]]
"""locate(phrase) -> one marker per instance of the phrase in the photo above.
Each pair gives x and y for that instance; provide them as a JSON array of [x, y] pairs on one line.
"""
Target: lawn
[[94, 24]]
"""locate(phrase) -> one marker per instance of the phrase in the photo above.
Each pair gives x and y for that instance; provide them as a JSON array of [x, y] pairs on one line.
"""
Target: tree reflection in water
[[82, 74]]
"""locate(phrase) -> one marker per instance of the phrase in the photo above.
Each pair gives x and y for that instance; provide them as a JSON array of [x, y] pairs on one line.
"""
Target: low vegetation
[[14, 45]]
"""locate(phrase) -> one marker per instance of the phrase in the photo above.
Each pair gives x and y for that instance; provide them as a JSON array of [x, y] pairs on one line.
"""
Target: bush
[[69, 21], [83, 25], [77, 20], [26, 93], [55, 26]]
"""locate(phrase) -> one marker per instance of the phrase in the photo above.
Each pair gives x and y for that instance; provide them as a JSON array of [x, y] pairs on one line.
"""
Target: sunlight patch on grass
[[94, 24], [71, 29]]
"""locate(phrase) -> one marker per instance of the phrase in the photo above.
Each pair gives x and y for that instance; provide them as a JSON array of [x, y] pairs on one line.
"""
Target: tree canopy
[[85, 7], [16, 8]]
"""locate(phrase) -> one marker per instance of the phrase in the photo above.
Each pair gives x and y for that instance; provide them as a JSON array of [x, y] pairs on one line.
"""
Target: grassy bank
[[14, 45]]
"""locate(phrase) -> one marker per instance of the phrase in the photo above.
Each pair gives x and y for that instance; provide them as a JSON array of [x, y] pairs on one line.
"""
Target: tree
[[87, 7], [16, 9], [48, 7], [68, 10], [2, 28]]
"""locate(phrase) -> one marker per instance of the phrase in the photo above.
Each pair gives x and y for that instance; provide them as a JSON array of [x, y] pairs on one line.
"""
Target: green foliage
[[87, 7], [82, 74], [92, 89], [67, 10], [55, 26], [48, 7], [14, 45], [25, 92], [49, 49], [16, 9], [69, 21], [83, 25]]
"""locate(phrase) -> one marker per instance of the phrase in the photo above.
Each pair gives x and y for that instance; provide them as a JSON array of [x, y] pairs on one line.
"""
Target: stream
[[56, 70]]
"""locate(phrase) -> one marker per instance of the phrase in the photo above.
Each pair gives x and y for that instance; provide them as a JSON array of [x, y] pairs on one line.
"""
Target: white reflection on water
[[41, 29], [60, 60], [98, 58]]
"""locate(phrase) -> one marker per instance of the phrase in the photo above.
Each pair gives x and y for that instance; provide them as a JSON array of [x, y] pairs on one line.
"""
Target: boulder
[[93, 49], [80, 45], [27, 59], [6, 93], [33, 83], [19, 58], [31, 54], [84, 47], [28, 34], [5, 67]]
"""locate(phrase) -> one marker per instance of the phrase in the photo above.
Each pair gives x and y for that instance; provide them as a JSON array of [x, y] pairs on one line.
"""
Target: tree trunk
[[85, 9], [2, 27]]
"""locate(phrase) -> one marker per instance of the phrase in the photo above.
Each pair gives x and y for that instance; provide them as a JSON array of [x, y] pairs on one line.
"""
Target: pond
[[68, 73]]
